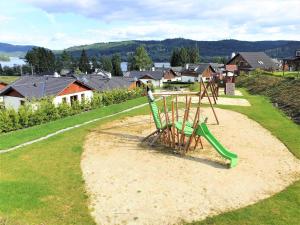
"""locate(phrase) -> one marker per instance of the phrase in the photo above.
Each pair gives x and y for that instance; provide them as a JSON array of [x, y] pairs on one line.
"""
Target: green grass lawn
[[42, 183], [8, 79], [14, 138], [283, 208], [287, 73]]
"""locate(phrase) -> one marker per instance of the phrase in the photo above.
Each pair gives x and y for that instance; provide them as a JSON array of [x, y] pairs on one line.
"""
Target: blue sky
[[58, 24]]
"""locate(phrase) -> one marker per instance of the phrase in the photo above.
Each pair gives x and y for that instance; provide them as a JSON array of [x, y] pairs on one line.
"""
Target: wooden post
[[177, 117], [173, 125], [182, 138], [205, 91]]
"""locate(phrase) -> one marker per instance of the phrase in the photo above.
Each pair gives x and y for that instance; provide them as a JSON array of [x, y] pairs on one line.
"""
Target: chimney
[[187, 66], [232, 54], [153, 68]]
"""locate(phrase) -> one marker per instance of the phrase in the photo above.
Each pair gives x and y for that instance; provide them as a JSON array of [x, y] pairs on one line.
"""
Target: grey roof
[[37, 87], [156, 75], [197, 68], [258, 60], [101, 83], [177, 69]]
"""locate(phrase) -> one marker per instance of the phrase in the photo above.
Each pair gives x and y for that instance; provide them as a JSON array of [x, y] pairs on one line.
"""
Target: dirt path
[[130, 183]]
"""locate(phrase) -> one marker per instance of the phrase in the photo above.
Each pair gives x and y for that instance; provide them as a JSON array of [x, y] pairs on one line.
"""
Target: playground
[[130, 182]]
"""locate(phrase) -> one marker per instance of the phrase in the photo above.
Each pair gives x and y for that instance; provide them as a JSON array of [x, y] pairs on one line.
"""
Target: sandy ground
[[220, 101], [132, 183]]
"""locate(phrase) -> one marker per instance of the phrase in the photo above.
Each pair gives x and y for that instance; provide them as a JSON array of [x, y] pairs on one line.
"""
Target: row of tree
[[41, 60], [181, 56], [15, 70], [44, 61]]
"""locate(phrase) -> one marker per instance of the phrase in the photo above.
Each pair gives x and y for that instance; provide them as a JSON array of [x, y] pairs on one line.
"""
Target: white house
[[29, 88], [192, 72], [157, 78]]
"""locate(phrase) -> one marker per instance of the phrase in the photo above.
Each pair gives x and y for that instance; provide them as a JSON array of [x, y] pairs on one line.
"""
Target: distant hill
[[161, 50], [14, 50]]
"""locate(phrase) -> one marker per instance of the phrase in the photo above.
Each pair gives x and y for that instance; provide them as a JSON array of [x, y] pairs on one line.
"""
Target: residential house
[[28, 88], [248, 61], [155, 77], [292, 63], [101, 83], [192, 72]]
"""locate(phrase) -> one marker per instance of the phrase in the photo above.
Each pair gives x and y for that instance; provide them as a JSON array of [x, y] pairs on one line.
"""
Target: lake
[[13, 61]]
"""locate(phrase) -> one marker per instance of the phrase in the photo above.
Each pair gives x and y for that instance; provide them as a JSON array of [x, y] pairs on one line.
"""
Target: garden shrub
[[44, 110]]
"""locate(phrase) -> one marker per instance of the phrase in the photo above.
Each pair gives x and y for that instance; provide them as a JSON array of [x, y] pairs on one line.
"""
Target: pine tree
[[1, 70], [183, 56], [84, 64], [175, 58], [95, 63], [116, 65], [141, 59], [194, 56]]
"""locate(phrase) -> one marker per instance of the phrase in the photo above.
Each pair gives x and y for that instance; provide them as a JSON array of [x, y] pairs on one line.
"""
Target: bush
[[44, 110], [282, 92]]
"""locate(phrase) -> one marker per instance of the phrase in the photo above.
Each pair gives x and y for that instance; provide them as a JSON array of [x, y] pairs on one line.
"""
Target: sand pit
[[220, 101], [132, 183]]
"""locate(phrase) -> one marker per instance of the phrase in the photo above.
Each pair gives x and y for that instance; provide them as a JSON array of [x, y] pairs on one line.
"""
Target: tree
[[43, 60], [175, 59], [1, 70], [116, 65], [141, 59], [95, 63], [106, 64], [66, 60], [183, 56], [194, 56], [84, 64]]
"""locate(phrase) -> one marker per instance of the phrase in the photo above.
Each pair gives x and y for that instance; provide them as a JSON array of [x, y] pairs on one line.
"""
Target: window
[[22, 102], [73, 98], [82, 97], [64, 100]]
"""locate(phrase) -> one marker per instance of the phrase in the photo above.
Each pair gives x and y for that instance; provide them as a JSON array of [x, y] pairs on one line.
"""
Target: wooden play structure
[[183, 132]]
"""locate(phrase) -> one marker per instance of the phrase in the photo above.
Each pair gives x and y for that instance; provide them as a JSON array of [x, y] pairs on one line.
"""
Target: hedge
[[44, 110]]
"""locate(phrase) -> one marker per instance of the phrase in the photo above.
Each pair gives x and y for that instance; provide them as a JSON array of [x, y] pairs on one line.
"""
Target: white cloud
[[157, 19], [4, 19]]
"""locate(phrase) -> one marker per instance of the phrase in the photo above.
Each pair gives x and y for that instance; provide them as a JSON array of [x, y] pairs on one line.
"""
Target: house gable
[[13, 93], [146, 77], [169, 75], [74, 88]]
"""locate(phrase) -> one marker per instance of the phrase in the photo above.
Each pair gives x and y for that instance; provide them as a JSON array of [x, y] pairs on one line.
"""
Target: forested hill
[[161, 50], [14, 50]]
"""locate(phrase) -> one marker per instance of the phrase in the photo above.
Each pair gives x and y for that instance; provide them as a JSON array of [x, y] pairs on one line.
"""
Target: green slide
[[203, 131]]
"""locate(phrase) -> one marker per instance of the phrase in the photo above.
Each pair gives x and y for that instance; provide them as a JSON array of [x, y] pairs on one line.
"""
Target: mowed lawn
[[287, 73], [8, 79], [284, 207], [42, 183]]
